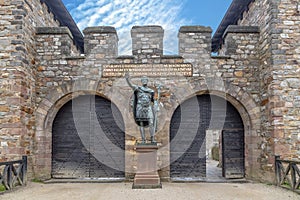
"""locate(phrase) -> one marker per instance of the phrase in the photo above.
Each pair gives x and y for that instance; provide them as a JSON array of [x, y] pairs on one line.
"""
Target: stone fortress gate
[[86, 123], [65, 102]]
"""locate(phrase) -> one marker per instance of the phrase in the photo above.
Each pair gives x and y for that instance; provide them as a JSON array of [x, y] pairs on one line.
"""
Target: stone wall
[[147, 43], [195, 48], [285, 108], [19, 18], [263, 14], [238, 64], [279, 55]]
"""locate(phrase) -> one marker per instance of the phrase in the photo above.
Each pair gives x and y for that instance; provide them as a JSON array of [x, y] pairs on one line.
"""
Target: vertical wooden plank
[[72, 159], [277, 170], [5, 177], [233, 153], [293, 176], [106, 115], [188, 150], [9, 176], [24, 170]]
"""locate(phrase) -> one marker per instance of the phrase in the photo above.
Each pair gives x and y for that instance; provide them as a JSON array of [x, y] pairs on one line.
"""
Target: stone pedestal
[[146, 176]]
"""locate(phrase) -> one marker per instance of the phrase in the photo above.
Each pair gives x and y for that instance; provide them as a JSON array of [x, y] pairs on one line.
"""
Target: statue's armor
[[143, 106]]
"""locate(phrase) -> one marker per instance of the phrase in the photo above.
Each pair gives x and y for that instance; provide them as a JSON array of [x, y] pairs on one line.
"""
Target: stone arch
[[248, 110], [237, 96], [189, 134], [46, 112]]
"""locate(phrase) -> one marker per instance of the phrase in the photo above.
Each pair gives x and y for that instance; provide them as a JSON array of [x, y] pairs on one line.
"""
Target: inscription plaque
[[150, 70]]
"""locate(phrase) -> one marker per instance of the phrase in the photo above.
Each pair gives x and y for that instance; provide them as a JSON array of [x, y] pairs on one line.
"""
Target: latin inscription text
[[150, 70]]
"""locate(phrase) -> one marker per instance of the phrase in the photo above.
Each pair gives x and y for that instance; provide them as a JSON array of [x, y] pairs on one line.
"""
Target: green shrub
[[2, 188], [215, 153]]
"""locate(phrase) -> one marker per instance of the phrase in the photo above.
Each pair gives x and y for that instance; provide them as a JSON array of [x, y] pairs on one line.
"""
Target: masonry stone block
[[57, 40], [101, 40], [147, 41], [195, 47]]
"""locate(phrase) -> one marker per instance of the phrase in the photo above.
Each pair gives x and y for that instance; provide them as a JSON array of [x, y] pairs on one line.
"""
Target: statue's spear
[[156, 106]]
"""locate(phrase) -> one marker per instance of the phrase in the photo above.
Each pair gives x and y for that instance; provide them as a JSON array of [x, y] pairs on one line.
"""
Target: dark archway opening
[[78, 149], [191, 142]]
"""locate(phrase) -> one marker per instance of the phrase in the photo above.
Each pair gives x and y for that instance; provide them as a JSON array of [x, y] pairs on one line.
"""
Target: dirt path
[[172, 191]]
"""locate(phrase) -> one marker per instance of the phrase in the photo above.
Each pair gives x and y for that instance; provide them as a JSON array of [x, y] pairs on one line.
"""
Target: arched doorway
[[88, 139], [191, 123]]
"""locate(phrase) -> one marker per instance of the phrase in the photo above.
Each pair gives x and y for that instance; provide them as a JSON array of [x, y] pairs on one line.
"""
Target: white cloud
[[123, 14]]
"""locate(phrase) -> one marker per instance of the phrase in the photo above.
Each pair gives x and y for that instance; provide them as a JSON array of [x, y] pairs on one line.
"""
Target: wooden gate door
[[188, 149], [187, 152], [233, 153], [73, 158]]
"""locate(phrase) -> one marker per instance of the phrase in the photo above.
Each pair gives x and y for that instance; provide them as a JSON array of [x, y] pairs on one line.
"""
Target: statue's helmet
[[144, 79]]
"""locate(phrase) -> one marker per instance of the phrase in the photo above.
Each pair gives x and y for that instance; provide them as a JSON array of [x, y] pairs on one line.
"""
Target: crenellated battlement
[[102, 38], [147, 41], [194, 42]]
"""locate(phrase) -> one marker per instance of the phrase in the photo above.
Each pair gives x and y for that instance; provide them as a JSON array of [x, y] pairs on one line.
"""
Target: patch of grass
[[286, 184], [2, 188], [36, 180]]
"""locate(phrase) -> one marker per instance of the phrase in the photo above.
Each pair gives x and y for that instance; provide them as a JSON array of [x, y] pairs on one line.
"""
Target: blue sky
[[170, 14]]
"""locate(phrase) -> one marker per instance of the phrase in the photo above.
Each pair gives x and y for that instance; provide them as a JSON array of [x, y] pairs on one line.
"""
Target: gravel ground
[[173, 191]]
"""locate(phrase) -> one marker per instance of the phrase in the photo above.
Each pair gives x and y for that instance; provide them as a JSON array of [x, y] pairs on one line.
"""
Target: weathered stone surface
[[293, 83], [257, 70], [17, 76], [99, 29], [147, 43], [279, 72], [53, 31], [195, 29]]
